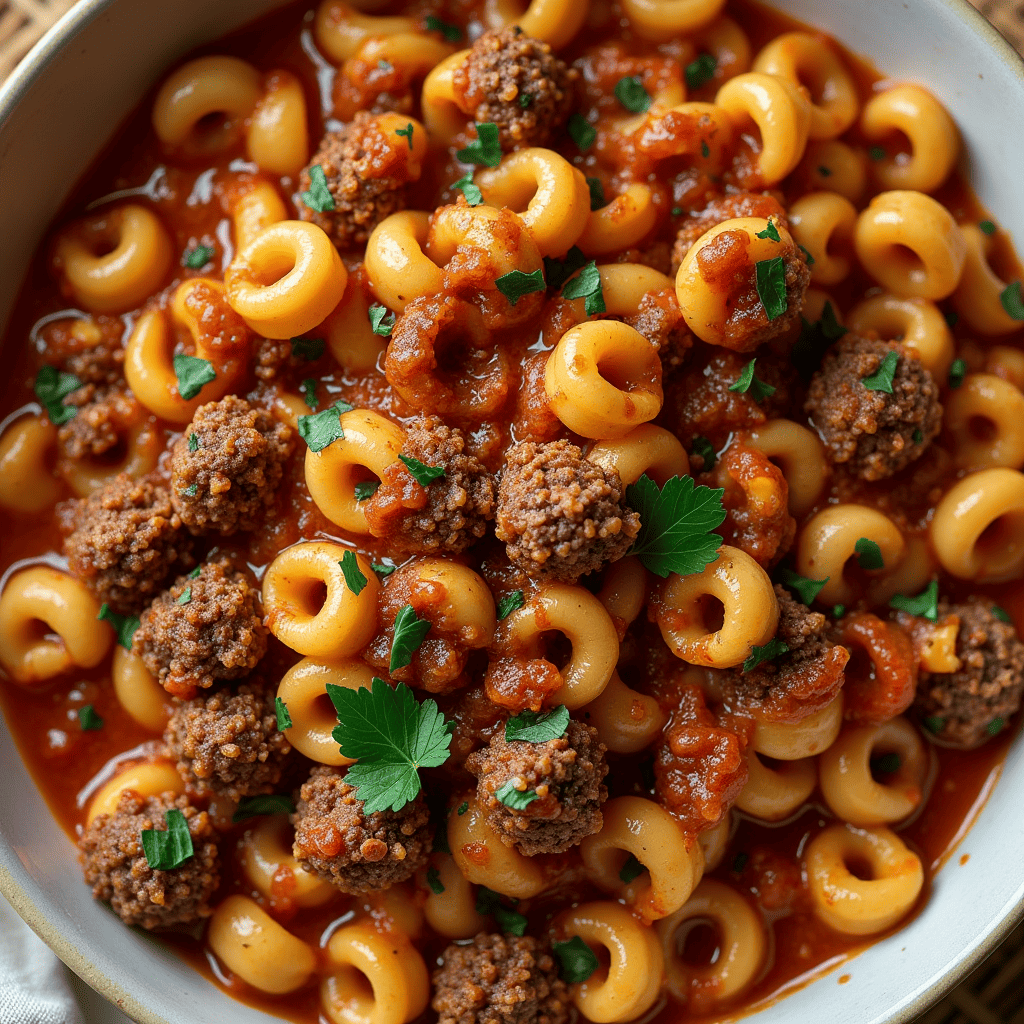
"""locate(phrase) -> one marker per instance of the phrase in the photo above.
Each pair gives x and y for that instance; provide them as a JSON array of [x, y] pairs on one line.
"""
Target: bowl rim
[[18, 83]]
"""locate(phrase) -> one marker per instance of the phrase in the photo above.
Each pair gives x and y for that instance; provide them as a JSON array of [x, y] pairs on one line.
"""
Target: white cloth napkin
[[36, 988]]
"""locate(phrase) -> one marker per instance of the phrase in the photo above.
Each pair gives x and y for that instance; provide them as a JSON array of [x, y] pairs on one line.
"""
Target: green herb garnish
[[995, 726], [510, 603], [260, 806], [770, 278], [514, 798], [409, 633], [557, 272], [485, 149], [51, 388], [805, 589], [1010, 297], [193, 375], [124, 625], [587, 286], [957, 372], [451, 33], [597, 199], [354, 579], [703, 448], [771, 650], [630, 92], [197, 258], [515, 284], [88, 719], [320, 429], [748, 383], [308, 391], [881, 379], [631, 870], [582, 132], [925, 604], [381, 321], [576, 960], [284, 718], [987, 227], [382, 570], [700, 71], [193, 442], [1002, 614], [423, 474], [934, 724], [469, 189], [406, 133], [309, 349], [869, 554], [167, 850], [770, 233], [186, 596], [488, 903], [886, 764], [366, 489], [319, 196], [434, 881], [538, 726]]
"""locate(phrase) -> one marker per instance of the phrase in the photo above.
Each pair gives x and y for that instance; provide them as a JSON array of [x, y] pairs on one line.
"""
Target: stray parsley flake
[[485, 149], [771, 650], [587, 286], [319, 196], [770, 233], [957, 372], [925, 604], [582, 132], [406, 133], [1001, 614], [488, 903], [471, 191], [952, 318], [51, 388], [451, 33], [193, 442], [409, 633], [805, 589], [824, 171], [258, 806], [881, 379], [382, 570], [197, 258], [167, 850], [538, 726], [675, 524], [934, 724], [630, 92], [366, 489], [703, 448], [748, 383], [838, 611], [810, 261], [517, 799], [515, 284], [434, 881], [1010, 297], [463, 807], [770, 278], [186, 596], [510, 603], [869, 554], [597, 199], [740, 862], [677, 211], [124, 625], [557, 272], [308, 391], [876, 153], [700, 71], [995, 726], [391, 736], [886, 764], [381, 321], [525, 99], [194, 574], [308, 348], [193, 375], [354, 578], [705, 149], [631, 870], [815, 339], [423, 474], [88, 719], [576, 960], [320, 429], [284, 718], [190, 491], [987, 227], [917, 437]]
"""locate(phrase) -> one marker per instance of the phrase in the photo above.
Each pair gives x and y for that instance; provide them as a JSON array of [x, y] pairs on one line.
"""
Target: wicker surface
[[994, 993]]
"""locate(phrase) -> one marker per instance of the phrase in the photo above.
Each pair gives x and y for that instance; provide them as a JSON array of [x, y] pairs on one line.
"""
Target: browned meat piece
[[450, 513], [104, 416], [116, 866], [90, 348], [560, 515], [124, 541], [227, 465], [794, 685], [228, 743], [204, 629], [366, 173], [518, 84], [499, 979], [874, 433], [357, 852], [660, 320], [565, 774], [966, 707]]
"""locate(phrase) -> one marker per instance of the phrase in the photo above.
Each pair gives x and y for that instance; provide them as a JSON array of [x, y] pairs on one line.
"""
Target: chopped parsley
[[517, 799], [186, 596], [451, 33], [630, 92], [409, 633], [124, 625], [748, 383], [703, 448], [995, 726], [381, 321], [318, 197], [197, 258], [771, 650], [957, 372], [770, 278], [805, 589], [917, 437], [886, 764], [934, 724], [463, 807], [770, 233], [557, 272], [194, 574], [488, 903], [838, 611], [952, 318], [700, 71], [434, 881], [193, 442], [88, 719], [582, 132], [597, 199], [740, 862], [259, 806], [284, 718], [1001, 614], [51, 388], [510, 603], [406, 133], [824, 171], [538, 726], [485, 149], [525, 99], [190, 491], [815, 339], [391, 736], [869, 554], [876, 153], [808, 258], [320, 429], [469, 189], [576, 960], [308, 391], [423, 474], [587, 286], [382, 570], [881, 379], [1010, 297], [925, 604], [515, 284], [366, 489], [705, 149], [354, 578], [677, 521], [308, 348], [987, 227], [193, 375], [167, 850], [631, 870]]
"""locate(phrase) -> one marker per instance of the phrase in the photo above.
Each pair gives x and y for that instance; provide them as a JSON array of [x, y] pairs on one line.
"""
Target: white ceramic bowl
[[58, 110]]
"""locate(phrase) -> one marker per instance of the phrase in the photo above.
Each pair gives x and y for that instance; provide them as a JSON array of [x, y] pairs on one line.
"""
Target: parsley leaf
[[319, 429], [525, 99], [740, 862], [1001, 614], [538, 726], [700, 71], [167, 850], [470, 190], [434, 881], [284, 718], [197, 258], [308, 348], [124, 625], [886, 764], [88, 719], [815, 339], [186, 596], [881, 379], [995, 726], [631, 870], [319, 196], [190, 491], [366, 489], [510, 603], [258, 806], [587, 285], [51, 389], [406, 133], [1010, 297], [354, 579], [582, 132], [576, 960], [517, 799], [382, 570], [876, 153], [703, 448], [194, 574], [193, 442], [769, 652], [825, 172], [805, 589], [808, 258], [463, 807], [705, 149], [381, 322], [515, 284], [423, 474], [451, 33], [485, 149], [557, 272], [308, 391], [409, 633], [952, 318], [987, 227], [957, 372], [630, 92], [925, 604], [488, 903], [770, 278], [193, 374], [675, 524], [917, 436], [597, 199], [391, 735], [747, 383], [934, 724], [770, 233], [838, 611], [869, 554]]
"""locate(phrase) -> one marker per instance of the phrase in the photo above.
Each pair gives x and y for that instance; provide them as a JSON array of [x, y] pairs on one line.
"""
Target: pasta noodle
[[149, 779], [272, 870], [138, 692], [27, 484], [985, 416], [793, 741], [773, 794], [916, 323]]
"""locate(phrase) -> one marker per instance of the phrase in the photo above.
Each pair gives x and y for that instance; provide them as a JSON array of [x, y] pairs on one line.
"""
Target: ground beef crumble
[[124, 541], [565, 773], [119, 873], [660, 320], [499, 979], [355, 851], [560, 515]]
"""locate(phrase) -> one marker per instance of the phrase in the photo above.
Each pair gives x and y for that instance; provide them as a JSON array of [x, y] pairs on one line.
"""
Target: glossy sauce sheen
[[67, 763]]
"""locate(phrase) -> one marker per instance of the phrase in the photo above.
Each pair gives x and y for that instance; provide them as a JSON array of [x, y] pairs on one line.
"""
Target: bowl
[[58, 110]]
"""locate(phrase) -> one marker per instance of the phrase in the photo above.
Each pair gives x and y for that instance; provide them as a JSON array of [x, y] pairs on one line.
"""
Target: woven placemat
[[994, 993]]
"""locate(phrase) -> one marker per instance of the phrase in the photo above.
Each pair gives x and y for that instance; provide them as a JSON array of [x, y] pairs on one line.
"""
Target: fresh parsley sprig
[[770, 281], [193, 375], [748, 383], [576, 960], [485, 149], [805, 589], [259, 806], [51, 388], [320, 429], [423, 474], [771, 650], [167, 850], [926, 604], [124, 625], [409, 633], [538, 726], [587, 286], [515, 285]]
